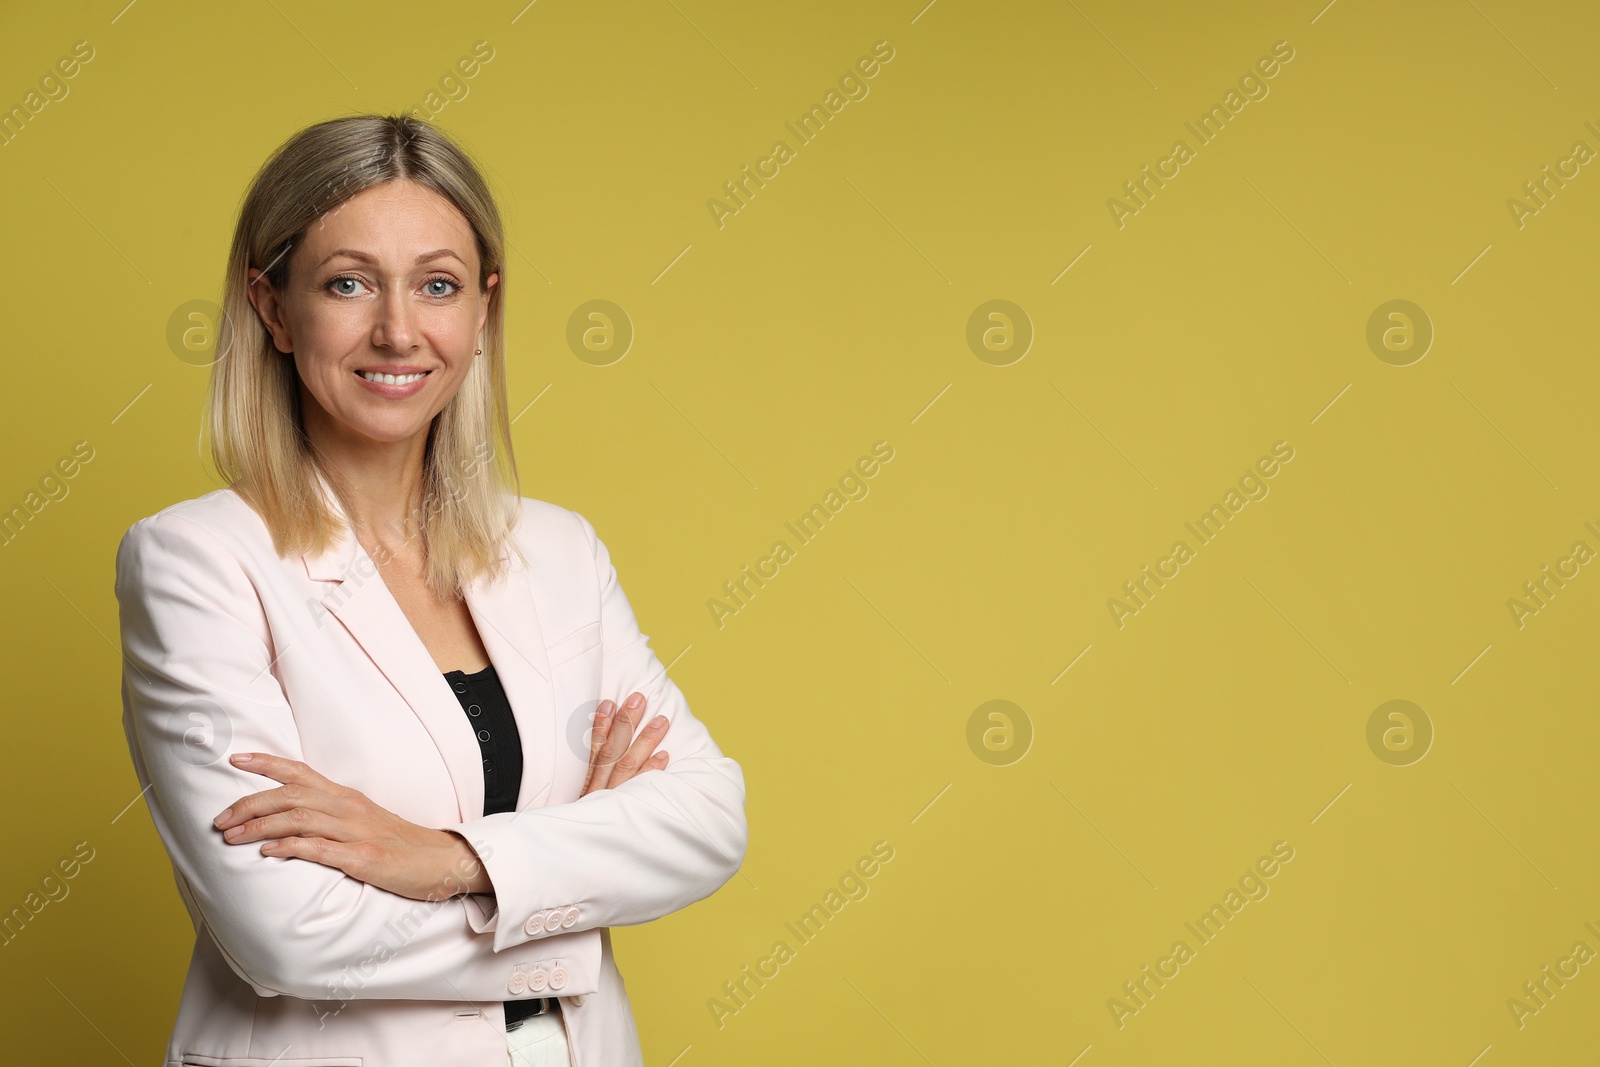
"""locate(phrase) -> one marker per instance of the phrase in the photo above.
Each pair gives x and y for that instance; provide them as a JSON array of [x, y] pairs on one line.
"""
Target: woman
[[371, 690]]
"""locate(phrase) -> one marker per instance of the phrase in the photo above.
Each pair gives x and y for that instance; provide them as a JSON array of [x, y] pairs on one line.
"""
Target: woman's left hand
[[313, 818]]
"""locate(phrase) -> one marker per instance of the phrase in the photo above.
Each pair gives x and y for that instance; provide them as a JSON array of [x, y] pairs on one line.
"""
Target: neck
[[379, 482]]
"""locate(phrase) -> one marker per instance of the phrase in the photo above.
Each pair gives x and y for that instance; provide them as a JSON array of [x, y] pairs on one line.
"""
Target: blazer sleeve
[[197, 686], [658, 842]]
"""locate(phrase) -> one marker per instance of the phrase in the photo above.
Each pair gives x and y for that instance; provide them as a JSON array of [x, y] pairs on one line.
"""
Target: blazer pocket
[[198, 1059], [575, 644]]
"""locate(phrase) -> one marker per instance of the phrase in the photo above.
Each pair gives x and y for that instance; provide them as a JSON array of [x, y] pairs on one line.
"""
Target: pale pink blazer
[[228, 647]]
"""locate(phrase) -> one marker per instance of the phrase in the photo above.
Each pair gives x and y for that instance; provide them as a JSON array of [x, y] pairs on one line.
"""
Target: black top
[[483, 698]]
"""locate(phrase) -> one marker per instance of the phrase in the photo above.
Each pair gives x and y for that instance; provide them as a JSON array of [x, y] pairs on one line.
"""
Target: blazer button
[[541, 978], [519, 982], [569, 916], [558, 977], [535, 924], [552, 919]]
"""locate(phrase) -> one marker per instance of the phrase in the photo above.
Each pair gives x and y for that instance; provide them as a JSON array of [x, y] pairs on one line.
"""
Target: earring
[[477, 351]]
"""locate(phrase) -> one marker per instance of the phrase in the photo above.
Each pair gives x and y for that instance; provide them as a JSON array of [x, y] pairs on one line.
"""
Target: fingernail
[[220, 819], [660, 722], [633, 701], [240, 757]]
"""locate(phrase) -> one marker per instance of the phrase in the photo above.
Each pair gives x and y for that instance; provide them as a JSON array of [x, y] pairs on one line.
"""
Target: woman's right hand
[[612, 760]]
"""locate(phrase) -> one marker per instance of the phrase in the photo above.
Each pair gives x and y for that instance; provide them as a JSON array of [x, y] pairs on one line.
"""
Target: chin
[[388, 432]]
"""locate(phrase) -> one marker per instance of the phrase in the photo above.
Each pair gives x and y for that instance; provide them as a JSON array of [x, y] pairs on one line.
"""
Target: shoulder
[[560, 555], [216, 511], [216, 524], [221, 513], [544, 527]]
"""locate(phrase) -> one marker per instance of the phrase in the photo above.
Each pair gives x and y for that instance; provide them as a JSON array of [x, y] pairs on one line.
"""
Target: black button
[[473, 709], [483, 735], [461, 687]]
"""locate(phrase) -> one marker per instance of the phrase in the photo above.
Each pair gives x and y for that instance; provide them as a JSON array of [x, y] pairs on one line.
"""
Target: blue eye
[[453, 287]]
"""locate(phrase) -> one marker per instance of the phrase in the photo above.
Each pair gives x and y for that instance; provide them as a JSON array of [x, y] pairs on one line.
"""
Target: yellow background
[[830, 313]]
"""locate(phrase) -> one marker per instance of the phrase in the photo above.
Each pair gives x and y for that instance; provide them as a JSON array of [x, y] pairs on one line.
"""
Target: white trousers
[[541, 1041]]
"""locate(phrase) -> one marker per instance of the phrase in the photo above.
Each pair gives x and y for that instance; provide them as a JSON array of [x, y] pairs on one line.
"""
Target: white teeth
[[391, 379]]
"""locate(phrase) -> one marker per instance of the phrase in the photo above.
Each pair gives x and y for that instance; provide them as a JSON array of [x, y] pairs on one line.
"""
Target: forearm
[[288, 926], [657, 843]]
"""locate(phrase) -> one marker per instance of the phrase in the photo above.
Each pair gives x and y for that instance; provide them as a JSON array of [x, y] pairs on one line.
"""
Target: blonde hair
[[257, 431]]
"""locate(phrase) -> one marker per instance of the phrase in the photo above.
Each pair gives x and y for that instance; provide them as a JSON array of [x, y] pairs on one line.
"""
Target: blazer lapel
[[374, 618], [508, 623]]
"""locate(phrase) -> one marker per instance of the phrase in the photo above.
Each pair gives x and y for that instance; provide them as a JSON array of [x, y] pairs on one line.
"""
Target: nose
[[394, 328]]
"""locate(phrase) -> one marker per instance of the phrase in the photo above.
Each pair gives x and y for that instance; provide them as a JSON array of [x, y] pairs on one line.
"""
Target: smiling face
[[386, 284]]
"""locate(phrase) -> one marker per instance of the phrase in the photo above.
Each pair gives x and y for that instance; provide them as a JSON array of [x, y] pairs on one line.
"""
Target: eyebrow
[[355, 253]]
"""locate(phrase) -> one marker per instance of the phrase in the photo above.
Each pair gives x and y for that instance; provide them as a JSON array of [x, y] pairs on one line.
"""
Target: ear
[[265, 300], [483, 312]]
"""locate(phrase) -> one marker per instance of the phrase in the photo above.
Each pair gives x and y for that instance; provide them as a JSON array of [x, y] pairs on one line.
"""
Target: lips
[[395, 377], [398, 383]]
